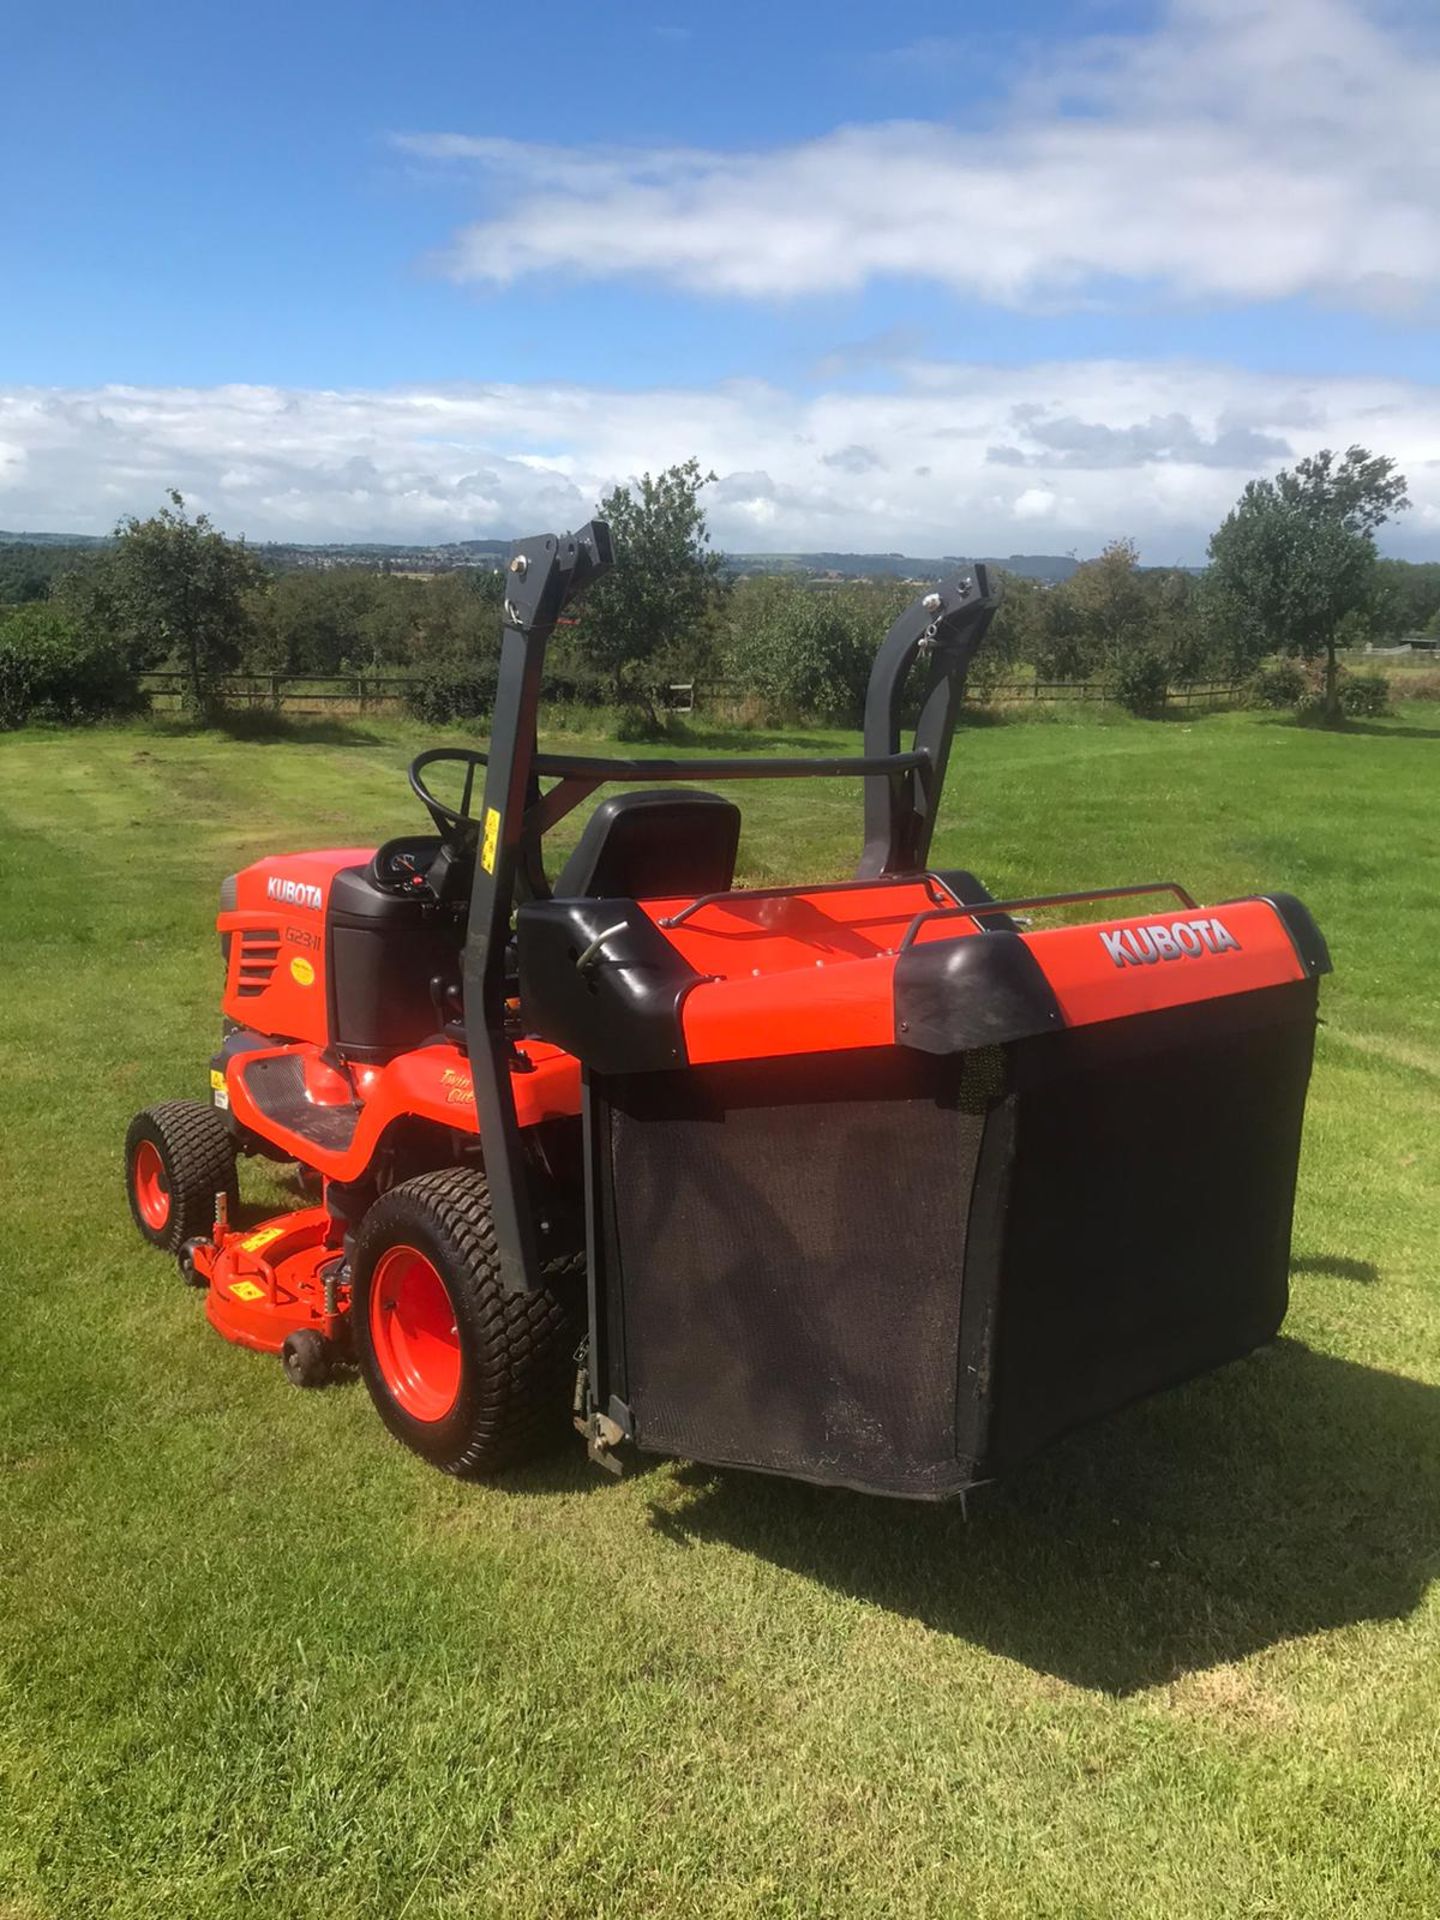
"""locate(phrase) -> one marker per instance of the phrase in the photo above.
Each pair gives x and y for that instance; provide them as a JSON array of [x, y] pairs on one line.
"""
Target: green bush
[[1363, 695], [54, 673], [1282, 684], [805, 652], [635, 721], [1140, 682], [453, 691]]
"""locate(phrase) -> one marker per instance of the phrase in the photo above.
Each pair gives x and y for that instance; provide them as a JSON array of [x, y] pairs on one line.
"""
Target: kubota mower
[[874, 1183]]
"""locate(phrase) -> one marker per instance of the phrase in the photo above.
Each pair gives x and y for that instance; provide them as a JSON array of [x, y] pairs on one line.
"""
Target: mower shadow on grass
[[1290, 1494], [1370, 729], [1378, 731], [1338, 1266], [565, 1470]]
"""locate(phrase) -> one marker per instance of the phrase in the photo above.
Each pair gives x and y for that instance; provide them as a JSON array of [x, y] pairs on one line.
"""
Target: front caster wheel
[[305, 1357], [189, 1272]]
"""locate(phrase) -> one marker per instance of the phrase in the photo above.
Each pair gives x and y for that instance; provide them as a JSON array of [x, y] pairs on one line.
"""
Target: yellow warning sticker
[[261, 1239], [302, 972], [217, 1080], [246, 1290], [490, 844]]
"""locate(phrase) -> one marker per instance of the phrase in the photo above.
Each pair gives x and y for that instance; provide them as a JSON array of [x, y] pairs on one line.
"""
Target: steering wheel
[[448, 820], [413, 864]]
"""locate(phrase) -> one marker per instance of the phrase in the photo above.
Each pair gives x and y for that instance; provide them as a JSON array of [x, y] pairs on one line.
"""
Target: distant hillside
[[899, 566], [453, 555], [448, 556], [54, 540]]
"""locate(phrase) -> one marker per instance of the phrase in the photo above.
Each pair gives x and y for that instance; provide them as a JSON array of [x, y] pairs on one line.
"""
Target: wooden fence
[[1009, 693], [289, 692], [382, 692]]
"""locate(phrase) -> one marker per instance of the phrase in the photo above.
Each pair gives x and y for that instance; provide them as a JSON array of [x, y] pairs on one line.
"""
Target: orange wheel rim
[[152, 1186], [414, 1334]]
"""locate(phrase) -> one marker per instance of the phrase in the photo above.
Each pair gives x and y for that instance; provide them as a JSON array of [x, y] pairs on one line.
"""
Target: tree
[[1094, 622], [804, 651], [656, 592], [459, 618], [174, 589], [1406, 598], [1109, 597], [1014, 633], [54, 670], [28, 572], [312, 621], [1058, 644], [1179, 632], [1296, 557]]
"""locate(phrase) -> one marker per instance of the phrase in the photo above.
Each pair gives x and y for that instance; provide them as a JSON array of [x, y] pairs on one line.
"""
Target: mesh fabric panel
[[790, 1237]]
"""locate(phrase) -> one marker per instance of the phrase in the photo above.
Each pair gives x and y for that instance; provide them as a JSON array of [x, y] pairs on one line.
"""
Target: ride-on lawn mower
[[870, 1183]]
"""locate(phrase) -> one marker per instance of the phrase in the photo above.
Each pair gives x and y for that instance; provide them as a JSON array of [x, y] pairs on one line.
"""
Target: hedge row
[[52, 673]]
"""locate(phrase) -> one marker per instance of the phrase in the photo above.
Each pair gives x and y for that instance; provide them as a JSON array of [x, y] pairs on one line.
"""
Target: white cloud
[[1036, 503], [956, 458], [1246, 150]]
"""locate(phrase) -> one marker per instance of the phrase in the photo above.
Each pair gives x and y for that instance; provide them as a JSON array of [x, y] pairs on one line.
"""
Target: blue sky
[[941, 277]]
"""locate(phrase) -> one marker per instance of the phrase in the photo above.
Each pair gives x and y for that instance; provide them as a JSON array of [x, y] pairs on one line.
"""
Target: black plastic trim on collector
[[1305, 936], [954, 995], [619, 1012]]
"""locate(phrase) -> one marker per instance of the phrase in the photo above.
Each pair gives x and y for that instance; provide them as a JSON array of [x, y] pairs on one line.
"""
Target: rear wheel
[[178, 1156], [469, 1376]]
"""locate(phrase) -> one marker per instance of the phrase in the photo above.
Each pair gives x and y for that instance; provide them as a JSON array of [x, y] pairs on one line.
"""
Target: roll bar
[[902, 793], [944, 627]]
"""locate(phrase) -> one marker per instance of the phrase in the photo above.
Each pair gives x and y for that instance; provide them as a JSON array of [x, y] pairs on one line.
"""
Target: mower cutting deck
[[874, 1183]]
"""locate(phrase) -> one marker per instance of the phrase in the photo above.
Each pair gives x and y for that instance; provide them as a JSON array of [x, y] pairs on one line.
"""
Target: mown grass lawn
[[257, 1659]]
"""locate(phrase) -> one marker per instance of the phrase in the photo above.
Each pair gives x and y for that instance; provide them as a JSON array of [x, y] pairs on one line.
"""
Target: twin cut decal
[[294, 893], [1181, 940]]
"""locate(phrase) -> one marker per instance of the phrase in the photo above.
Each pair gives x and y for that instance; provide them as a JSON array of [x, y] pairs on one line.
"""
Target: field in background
[[257, 1659]]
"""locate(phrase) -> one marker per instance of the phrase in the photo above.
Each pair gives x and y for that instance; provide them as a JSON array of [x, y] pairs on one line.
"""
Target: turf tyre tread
[[199, 1158], [518, 1349]]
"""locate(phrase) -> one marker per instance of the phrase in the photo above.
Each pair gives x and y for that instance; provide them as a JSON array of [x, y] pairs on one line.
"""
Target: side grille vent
[[259, 951]]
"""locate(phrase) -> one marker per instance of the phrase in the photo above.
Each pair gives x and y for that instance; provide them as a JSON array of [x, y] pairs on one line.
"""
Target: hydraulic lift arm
[[545, 574], [946, 627]]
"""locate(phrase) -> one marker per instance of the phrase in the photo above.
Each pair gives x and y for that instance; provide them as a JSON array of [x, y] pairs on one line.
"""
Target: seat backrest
[[653, 845]]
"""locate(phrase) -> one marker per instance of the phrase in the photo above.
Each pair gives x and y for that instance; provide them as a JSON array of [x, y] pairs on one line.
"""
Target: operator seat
[[653, 845]]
